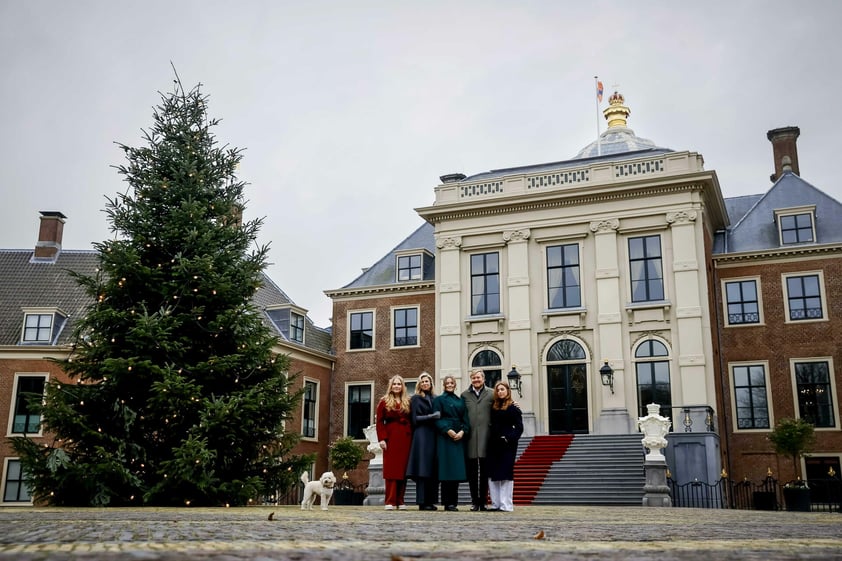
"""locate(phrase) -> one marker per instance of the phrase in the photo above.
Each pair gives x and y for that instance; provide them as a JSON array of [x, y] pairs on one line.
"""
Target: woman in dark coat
[[422, 453], [506, 428], [395, 435], [453, 427]]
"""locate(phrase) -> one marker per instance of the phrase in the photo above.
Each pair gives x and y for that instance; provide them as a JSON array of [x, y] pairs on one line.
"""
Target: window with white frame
[[751, 398], [564, 286], [409, 268], [405, 326], [296, 327], [652, 368], [361, 330], [804, 296], [309, 409], [814, 392], [15, 489], [358, 409], [29, 390], [485, 284], [41, 327], [742, 299], [796, 225], [646, 269]]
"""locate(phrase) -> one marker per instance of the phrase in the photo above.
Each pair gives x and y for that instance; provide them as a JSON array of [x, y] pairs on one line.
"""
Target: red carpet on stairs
[[532, 466]]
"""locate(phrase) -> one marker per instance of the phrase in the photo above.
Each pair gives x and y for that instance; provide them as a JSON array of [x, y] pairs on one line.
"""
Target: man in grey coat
[[478, 399]]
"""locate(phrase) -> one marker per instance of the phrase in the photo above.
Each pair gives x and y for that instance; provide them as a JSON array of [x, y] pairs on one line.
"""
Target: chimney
[[783, 147], [49, 235]]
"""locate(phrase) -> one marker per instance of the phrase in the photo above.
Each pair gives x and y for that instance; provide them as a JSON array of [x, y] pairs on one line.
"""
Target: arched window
[[566, 349], [653, 377], [489, 362]]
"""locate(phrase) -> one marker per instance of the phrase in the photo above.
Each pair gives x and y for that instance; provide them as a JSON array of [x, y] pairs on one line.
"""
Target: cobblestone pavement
[[369, 533]]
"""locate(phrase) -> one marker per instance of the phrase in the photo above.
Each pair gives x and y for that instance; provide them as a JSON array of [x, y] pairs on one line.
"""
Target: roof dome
[[618, 138]]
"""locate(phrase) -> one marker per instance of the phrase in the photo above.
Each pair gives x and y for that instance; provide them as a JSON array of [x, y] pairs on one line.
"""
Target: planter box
[[797, 499]]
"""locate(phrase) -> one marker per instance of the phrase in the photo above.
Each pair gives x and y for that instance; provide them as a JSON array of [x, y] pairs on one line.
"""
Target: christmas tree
[[177, 396]]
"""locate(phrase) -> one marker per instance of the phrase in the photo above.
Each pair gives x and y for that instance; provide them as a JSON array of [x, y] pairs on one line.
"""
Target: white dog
[[323, 488]]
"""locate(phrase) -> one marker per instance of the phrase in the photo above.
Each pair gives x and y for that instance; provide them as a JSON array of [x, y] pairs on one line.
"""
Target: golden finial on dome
[[616, 113]]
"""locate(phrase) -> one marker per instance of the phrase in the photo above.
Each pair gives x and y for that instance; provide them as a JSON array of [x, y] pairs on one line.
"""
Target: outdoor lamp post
[[607, 374], [514, 380]]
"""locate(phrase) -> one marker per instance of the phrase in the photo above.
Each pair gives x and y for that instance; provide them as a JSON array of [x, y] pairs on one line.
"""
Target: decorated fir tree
[[178, 398]]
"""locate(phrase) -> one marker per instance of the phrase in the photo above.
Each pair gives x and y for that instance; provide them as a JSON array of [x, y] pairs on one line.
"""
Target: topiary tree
[[793, 438]]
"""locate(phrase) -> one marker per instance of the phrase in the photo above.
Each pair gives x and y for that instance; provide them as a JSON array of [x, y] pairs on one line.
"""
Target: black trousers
[[449, 493], [426, 491], [478, 481]]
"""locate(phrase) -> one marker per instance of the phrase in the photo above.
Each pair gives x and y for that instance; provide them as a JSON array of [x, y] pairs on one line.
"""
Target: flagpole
[[596, 97]]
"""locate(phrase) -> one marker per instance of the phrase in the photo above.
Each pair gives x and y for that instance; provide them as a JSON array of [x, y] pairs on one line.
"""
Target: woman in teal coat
[[453, 429]]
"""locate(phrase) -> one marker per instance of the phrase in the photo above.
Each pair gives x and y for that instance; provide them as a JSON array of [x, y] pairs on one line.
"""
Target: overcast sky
[[349, 111]]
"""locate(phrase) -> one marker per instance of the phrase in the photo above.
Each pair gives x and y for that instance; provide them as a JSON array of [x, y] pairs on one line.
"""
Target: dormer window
[[289, 321], [42, 327], [796, 225], [409, 268]]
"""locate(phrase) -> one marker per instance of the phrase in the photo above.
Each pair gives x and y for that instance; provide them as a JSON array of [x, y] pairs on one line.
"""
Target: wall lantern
[[607, 374], [514, 380]]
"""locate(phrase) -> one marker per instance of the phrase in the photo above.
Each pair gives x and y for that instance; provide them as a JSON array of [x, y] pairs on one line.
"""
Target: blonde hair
[[418, 390], [502, 403], [393, 401]]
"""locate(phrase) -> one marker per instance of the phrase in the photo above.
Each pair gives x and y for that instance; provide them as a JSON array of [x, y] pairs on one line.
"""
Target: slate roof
[[25, 283], [383, 271], [753, 224]]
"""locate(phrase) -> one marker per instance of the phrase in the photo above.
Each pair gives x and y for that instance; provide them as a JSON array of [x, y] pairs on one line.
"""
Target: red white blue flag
[[598, 90]]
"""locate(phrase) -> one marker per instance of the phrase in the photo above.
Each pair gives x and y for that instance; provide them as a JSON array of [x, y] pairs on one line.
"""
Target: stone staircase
[[585, 469]]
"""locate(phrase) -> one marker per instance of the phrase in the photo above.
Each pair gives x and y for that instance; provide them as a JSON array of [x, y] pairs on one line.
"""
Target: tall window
[[743, 304], [815, 401], [796, 228], [38, 328], [489, 363], [362, 330], [653, 377], [485, 284], [359, 409], [16, 491], [409, 268], [563, 282], [27, 419], [750, 396], [804, 297], [406, 327], [647, 278], [296, 327], [308, 425]]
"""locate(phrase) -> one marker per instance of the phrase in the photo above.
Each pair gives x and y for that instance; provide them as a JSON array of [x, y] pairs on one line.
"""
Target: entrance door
[[567, 386]]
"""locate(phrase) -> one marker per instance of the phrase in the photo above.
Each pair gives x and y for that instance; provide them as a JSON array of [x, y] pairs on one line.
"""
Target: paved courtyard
[[369, 533]]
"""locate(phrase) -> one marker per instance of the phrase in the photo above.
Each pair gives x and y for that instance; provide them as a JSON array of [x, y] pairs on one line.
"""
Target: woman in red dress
[[394, 432]]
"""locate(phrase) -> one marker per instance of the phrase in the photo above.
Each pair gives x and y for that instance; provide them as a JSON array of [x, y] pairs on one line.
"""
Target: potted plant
[[344, 455], [793, 438]]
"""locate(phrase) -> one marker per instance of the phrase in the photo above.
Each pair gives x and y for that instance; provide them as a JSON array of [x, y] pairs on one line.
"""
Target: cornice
[[381, 289], [778, 253], [507, 205]]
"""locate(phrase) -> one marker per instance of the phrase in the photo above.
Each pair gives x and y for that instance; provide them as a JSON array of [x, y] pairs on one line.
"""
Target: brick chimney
[[49, 235], [783, 146]]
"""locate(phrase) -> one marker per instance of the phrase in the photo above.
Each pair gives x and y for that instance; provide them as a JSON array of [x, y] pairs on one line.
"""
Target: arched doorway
[[567, 388]]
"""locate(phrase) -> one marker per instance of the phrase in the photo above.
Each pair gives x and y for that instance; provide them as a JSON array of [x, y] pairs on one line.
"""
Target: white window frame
[[315, 436], [409, 254], [54, 314], [417, 309], [293, 313], [14, 397], [769, 401], [581, 306], [373, 313], [822, 295], [371, 409], [831, 373], [809, 210], [4, 481], [724, 289]]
